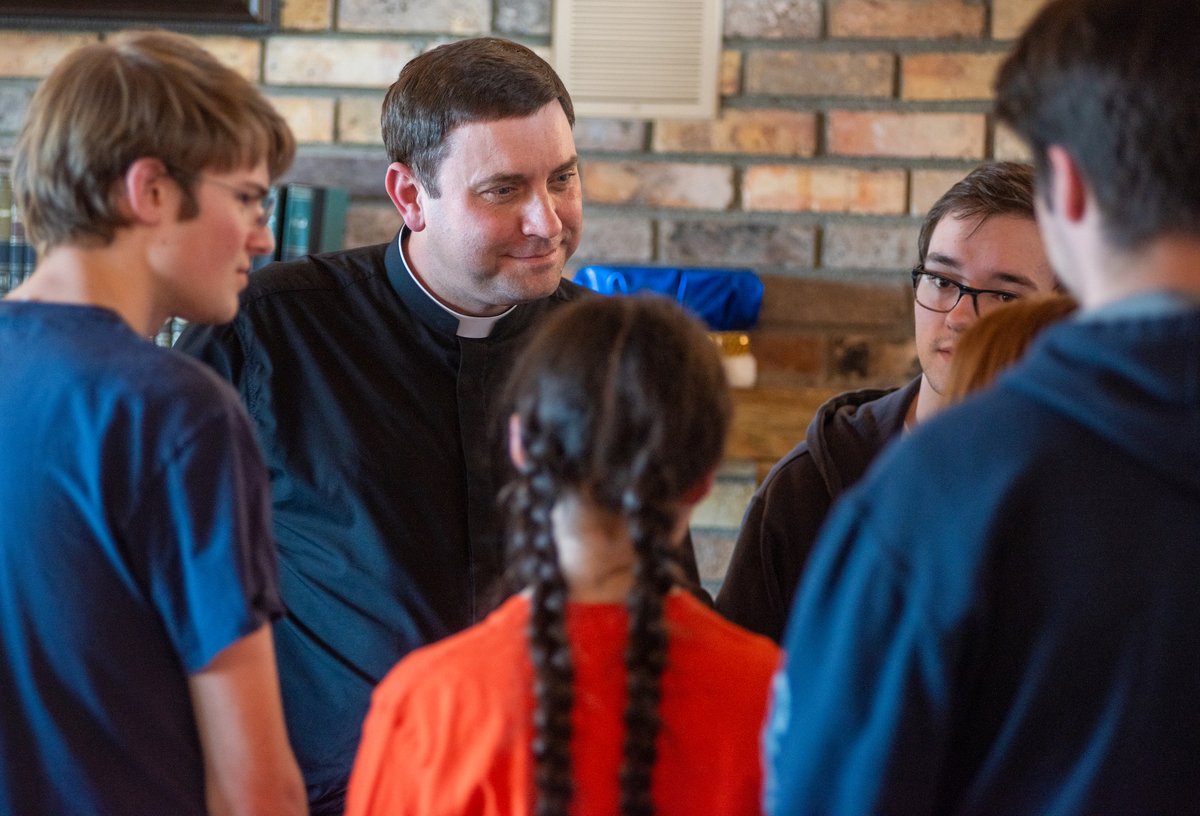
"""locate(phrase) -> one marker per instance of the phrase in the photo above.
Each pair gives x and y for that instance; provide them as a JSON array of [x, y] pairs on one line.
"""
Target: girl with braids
[[603, 688]]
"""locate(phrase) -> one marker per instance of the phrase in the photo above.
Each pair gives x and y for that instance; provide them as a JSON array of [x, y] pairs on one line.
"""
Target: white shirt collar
[[469, 326]]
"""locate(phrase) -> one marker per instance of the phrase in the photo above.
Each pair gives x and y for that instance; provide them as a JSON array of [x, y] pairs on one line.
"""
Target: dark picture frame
[[243, 16]]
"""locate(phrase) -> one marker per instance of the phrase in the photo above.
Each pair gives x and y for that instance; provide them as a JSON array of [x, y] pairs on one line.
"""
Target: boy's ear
[[1068, 188], [407, 193], [149, 190]]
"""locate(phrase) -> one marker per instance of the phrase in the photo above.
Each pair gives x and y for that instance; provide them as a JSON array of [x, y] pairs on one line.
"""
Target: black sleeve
[[217, 346], [777, 535]]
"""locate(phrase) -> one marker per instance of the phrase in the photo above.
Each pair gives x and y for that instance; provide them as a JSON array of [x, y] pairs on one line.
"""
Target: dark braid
[[622, 403], [532, 499], [646, 652]]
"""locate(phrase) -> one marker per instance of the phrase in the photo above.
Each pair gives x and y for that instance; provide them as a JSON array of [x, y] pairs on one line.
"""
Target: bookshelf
[[307, 219]]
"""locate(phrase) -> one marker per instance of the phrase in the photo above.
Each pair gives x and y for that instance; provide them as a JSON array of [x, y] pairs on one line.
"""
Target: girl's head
[[621, 404]]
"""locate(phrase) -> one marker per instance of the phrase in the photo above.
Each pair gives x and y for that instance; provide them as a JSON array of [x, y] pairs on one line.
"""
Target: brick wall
[[841, 121]]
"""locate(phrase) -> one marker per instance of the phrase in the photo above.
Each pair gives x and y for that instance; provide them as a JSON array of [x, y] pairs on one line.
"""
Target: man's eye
[[564, 178], [941, 283], [1006, 297], [247, 199], [501, 192]]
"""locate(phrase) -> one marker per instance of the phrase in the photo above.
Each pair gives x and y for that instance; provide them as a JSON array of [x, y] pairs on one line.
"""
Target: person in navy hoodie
[[1002, 617]]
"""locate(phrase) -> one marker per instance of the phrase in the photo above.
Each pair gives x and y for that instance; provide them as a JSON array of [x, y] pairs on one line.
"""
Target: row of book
[[307, 219]]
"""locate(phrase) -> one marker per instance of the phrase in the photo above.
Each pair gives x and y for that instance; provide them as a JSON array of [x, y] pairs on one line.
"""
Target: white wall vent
[[640, 59]]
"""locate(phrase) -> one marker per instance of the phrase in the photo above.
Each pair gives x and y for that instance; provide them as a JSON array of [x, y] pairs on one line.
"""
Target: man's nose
[[540, 218], [963, 314]]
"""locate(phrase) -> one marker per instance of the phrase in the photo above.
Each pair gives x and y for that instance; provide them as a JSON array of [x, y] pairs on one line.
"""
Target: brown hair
[[1114, 82], [999, 339], [622, 400], [477, 80], [991, 189], [141, 95]]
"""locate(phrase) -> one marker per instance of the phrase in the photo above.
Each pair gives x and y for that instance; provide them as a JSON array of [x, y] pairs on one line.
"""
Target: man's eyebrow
[[993, 278], [516, 178]]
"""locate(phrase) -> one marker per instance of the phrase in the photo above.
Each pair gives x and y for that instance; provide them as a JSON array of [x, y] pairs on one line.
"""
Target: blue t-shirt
[[135, 545]]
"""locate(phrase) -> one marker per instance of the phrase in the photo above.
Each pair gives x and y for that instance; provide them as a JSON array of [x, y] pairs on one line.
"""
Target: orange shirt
[[450, 726]]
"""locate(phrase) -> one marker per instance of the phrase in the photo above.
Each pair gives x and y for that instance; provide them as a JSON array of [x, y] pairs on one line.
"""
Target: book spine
[[333, 222], [297, 222]]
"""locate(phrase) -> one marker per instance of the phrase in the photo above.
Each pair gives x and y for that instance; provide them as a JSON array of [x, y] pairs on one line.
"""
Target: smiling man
[[373, 379], [978, 248]]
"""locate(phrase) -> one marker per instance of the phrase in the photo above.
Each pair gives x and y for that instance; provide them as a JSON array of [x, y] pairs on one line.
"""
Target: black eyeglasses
[[941, 294]]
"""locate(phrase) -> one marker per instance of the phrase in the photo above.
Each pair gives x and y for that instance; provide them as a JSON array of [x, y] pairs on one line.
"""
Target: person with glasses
[[977, 248], [138, 576], [1002, 617]]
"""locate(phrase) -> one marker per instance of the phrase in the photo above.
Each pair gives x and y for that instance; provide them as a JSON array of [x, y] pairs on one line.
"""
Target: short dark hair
[[1116, 83], [991, 189], [477, 80]]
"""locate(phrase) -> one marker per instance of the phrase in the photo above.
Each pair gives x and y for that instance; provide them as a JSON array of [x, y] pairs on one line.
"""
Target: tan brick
[[928, 186], [33, 55], [239, 53], [310, 117], [452, 16], [789, 188], [725, 505], [358, 120], [687, 186], [870, 246], [306, 15], [614, 238], [371, 224], [756, 132], [325, 61], [713, 550], [924, 19], [773, 19], [790, 303], [911, 135], [1009, 17], [758, 244], [731, 73], [808, 73], [1008, 145], [610, 134], [948, 76]]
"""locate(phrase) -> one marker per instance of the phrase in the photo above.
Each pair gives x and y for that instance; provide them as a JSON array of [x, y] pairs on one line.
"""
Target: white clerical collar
[[469, 326]]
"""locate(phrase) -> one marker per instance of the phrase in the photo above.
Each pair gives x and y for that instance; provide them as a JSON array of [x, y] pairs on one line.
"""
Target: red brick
[[791, 303], [928, 186], [738, 243], [33, 55], [791, 188], [812, 73], [911, 135], [1008, 145], [893, 19]]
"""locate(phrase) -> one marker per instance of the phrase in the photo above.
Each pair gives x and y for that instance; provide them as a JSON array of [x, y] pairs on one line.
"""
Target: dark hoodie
[[1002, 617], [787, 510]]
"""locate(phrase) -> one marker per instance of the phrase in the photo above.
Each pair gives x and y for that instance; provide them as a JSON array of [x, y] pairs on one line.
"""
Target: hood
[[1133, 381], [849, 430]]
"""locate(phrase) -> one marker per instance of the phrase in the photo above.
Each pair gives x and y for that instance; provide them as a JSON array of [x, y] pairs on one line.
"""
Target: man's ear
[[516, 451], [149, 191], [1068, 188], [407, 193]]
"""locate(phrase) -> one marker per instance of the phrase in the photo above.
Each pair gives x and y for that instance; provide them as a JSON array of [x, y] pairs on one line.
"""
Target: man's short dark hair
[[477, 80], [1116, 83], [991, 189]]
